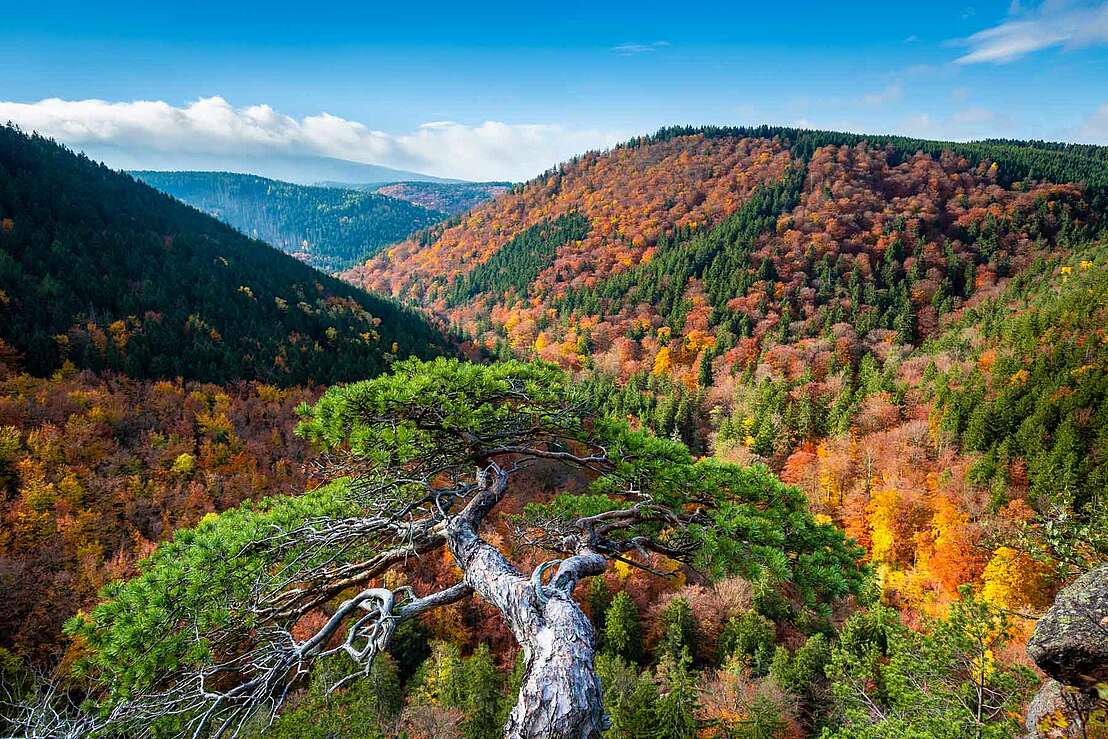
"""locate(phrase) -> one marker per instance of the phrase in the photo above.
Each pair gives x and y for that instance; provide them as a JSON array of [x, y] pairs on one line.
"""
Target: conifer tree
[[437, 445], [630, 698], [676, 711], [482, 697], [599, 600], [678, 629], [750, 637], [622, 633]]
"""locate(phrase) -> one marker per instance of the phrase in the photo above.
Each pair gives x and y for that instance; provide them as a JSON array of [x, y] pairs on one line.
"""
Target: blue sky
[[511, 88]]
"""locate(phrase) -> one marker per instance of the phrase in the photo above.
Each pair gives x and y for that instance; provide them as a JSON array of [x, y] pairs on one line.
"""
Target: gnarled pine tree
[[203, 640]]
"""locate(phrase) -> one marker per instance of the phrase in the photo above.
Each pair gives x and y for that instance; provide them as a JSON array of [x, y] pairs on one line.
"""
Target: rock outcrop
[[1070, 642], [1059, 712]]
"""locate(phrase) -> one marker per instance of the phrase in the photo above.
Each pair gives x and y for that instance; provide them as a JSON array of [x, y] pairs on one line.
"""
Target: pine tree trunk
[[560, 697]]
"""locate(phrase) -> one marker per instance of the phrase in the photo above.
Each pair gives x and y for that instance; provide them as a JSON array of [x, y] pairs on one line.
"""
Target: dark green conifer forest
[[330, 228], [105, 272]]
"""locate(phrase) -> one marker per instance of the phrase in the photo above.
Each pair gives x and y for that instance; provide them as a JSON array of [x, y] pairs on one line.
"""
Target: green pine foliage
[[472, 684], [803, 675], [410, 646], [665, 407], [330, 228], [943, 682], [766, 534], [482, 697], [1043, 402], [749, 638], [362, 710], [677, 705], [630, 698], [622, 631], [598, 599], [511, 690], [129, 641], [108, 273], [678, 630]]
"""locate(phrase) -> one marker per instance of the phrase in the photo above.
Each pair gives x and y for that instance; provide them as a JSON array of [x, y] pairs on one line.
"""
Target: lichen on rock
[[1070, 642]]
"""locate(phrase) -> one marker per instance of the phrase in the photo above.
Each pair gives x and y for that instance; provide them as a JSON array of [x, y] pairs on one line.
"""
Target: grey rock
[[1058, 712], [1070, 642]]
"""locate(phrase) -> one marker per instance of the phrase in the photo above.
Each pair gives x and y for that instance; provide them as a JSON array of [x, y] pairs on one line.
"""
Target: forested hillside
[[820, 432], [776, 295], [95, 470], [631, 197], [107, 273], [978, 458], [446, 197], [330, 228]]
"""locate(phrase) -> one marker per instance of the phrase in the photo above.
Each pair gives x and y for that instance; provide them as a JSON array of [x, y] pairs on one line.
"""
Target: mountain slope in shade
[[106, 272], [330, 229]]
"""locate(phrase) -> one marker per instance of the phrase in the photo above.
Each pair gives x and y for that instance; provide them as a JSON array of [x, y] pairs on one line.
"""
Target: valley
[[329, 228], [841, 397]]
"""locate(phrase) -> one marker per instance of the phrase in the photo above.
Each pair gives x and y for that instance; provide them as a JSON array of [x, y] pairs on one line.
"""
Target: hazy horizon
[[501, 92]]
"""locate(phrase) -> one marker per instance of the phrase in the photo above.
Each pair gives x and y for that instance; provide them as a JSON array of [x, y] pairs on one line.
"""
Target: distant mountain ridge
[[452, 198], [300, 169], [327, 227], [108, 273]]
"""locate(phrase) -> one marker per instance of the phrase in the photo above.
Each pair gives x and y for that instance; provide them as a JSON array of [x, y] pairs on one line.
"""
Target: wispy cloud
[[889, 94], [1054, 23], [975, 122], [632, 48], [212, 127], [1095, 128]]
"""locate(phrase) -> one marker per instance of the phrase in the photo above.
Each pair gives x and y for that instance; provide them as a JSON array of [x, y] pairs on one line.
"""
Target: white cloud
[[632, 48], [212, 127], [1095, 128], [976, 122], [1054, 23], [889, 94]]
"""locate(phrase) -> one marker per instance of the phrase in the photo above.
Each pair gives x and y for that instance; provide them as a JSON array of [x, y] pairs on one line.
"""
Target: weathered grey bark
[[560, 697]]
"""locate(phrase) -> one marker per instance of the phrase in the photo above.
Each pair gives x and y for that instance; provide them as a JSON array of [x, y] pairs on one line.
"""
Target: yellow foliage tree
[[1016, 581], [883, 510], [954, 558], [663, 361]]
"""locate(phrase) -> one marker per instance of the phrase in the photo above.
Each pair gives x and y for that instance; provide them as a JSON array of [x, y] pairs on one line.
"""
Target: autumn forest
[[719, 432]]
